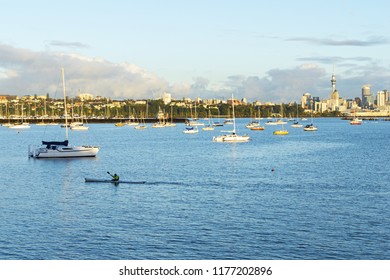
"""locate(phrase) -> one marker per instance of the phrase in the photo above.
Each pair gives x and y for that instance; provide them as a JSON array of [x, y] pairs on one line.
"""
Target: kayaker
[[115, 177]]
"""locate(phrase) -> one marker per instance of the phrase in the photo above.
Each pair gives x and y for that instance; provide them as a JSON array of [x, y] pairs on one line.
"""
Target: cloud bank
[[26, 72]]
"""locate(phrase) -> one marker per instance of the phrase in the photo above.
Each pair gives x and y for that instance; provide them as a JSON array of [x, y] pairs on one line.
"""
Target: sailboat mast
[[66, 110], [234, 116]]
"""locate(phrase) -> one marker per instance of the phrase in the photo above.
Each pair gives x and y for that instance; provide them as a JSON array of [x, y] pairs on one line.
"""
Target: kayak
[[91, 180]]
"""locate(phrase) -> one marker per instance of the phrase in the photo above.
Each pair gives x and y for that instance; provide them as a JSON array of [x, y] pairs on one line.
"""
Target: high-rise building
[[306, 100], [382, 98], [367, 100]]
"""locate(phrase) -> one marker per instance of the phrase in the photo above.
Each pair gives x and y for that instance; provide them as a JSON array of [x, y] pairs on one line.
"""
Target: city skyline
[[269, 51]]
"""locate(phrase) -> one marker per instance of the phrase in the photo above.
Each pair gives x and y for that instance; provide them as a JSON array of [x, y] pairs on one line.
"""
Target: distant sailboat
[[258, 126], [79, 125], [160, 120], [190, 130], [171, 123], [356, 120], [194, 120], [61, 149], [296, 124], [132, 119], [310, 127], [232, 137], [22, 124], [142, 124], [281, 131], [210, 126]]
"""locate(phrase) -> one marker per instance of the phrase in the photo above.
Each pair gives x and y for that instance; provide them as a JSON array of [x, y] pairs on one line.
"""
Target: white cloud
[[24, 71], [28, 72], [280, 84]]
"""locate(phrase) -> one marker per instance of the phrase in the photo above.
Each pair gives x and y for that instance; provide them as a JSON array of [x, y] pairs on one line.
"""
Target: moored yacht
[[310, 127], [61, 149], [232, 137], [356, 121]]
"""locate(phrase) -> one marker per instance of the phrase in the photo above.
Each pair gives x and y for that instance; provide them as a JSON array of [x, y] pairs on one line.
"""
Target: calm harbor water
[[327, 198]]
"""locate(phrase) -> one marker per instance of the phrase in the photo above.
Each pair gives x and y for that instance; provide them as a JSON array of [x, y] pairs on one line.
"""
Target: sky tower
[[333, 81]]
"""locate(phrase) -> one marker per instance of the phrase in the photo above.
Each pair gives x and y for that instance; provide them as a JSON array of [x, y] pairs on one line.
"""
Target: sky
[[271, 51]]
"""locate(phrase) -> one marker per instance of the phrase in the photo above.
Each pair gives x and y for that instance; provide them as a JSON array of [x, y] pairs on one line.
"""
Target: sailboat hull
[[356, 121], [79, 127], [231, 138], [20, 126], [310, 128], [280, 132], [65, 152], [257, 128]]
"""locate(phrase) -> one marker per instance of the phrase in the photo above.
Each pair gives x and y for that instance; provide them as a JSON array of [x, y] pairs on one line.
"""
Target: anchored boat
[[61, 149]]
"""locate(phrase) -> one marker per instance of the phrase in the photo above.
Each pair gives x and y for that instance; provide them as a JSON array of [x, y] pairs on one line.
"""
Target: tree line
[[129, 108]]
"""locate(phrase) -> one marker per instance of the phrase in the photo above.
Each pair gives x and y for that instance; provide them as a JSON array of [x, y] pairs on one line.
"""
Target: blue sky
[[262, 50]]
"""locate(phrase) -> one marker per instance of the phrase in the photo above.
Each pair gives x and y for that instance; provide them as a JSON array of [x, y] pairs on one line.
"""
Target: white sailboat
[[356, 120], [160, 120], [194, 120], [79, 125], [310, 127], [232, 137], [142, 124], [22, 124], [296, 124], [132, 119], [171, 123], [61, 149], [210, 126], [191, 130]]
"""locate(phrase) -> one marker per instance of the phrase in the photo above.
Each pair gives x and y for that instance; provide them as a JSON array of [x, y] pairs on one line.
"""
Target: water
[[327, 198]]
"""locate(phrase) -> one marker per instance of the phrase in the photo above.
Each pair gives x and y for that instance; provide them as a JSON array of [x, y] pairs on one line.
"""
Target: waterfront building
[[321, 106], [367, 98], [305, 101], [236, 101], [207, 102], [382, 98], [334, 101], [167, 98], [85, 96]]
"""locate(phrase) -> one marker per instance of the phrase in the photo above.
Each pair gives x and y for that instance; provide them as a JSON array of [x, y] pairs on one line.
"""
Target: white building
[[85, 96], [382, 97], [306, 100], [167, 98]]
